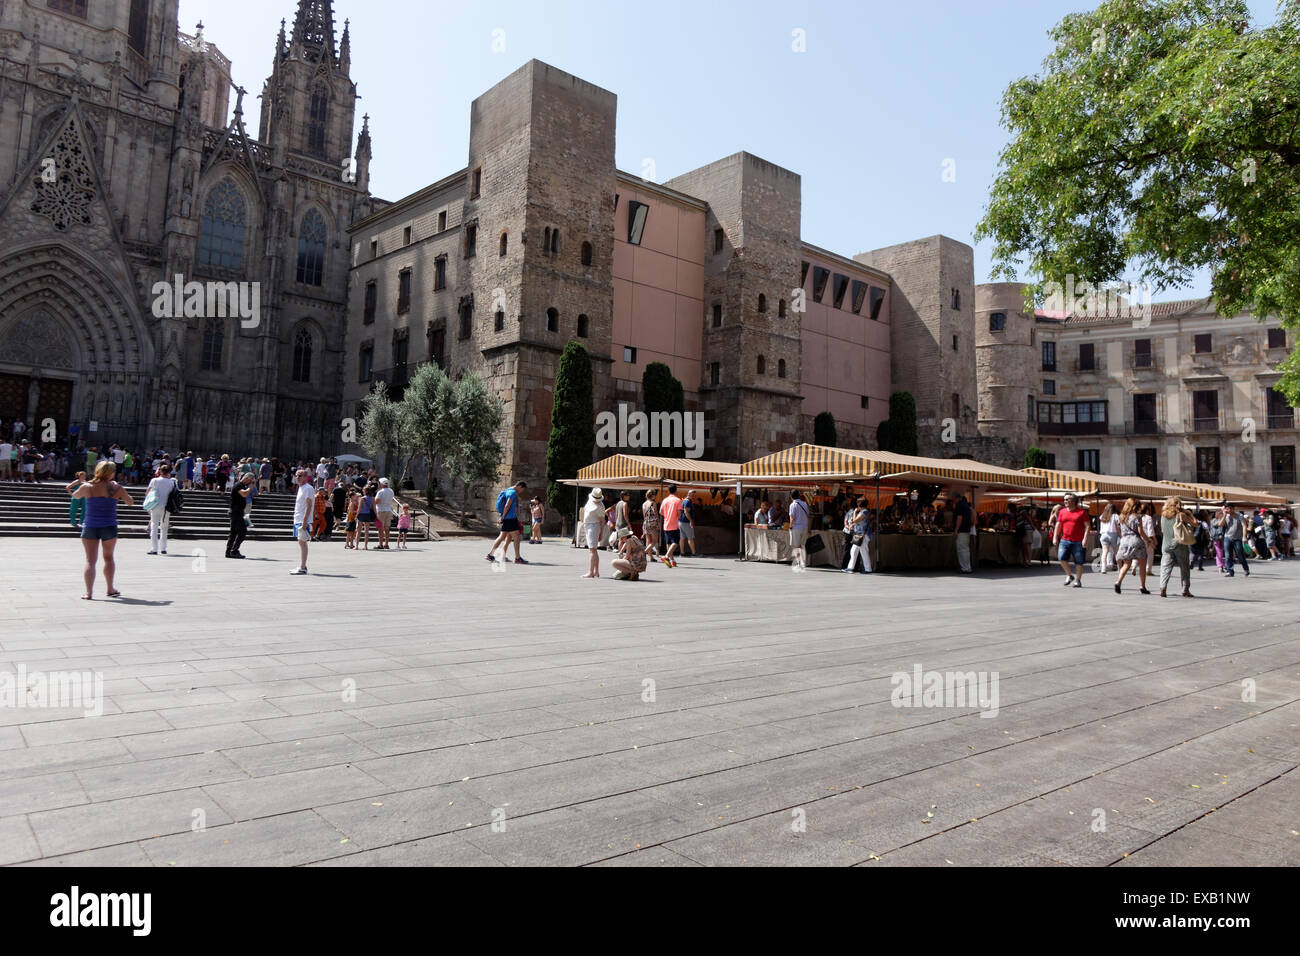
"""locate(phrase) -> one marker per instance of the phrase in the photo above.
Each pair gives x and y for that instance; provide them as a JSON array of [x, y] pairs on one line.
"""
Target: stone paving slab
[[720, 713]]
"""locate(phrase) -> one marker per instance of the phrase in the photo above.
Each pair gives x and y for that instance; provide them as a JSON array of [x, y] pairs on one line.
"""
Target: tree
[[427, 418], [897, 433], [824, 430], [663, 393], [473, 452], [1160, 138], [573, 424], [381, 427], [1035, 457]]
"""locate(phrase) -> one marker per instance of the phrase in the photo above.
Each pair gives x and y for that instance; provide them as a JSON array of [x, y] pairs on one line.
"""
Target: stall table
[[824, 548]]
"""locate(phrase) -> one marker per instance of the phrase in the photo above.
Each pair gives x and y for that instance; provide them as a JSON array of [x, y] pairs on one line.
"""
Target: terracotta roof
[[1159, 310]]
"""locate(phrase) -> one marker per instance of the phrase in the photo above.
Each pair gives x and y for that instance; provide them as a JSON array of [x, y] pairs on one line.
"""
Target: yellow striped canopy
[[1229, 493], [645, 469], [1087, 484], [812, 461]]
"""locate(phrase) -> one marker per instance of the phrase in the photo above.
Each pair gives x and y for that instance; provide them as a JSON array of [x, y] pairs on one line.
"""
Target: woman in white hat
[[593, 522]]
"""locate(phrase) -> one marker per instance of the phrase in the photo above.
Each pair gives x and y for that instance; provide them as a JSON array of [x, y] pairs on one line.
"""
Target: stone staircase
[[41, 510]]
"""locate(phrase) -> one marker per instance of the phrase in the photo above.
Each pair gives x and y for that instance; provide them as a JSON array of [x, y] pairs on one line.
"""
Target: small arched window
[[316, 121], [780, 308], [555, 242], [762, 365], [504, 243], [552, 320], [311, 248], [222, 227], [586, 253], [762, 302], [302, 349], [546, 241], [214, 336], [780, 368], [582, 326]]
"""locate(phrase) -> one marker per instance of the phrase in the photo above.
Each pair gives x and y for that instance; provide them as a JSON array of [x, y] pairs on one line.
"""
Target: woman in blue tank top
[[102, 495]]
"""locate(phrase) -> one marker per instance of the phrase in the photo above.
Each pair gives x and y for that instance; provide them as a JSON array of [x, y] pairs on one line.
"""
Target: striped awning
[[643, 468], [1086, 483], [819, 460], [1229, 493]]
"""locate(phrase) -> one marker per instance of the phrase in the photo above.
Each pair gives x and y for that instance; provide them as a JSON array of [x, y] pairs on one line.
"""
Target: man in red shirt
[[670, 510], [1073, 522]]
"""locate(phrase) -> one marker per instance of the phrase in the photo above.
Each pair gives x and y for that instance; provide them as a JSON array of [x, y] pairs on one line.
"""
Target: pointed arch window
[[214, 337], [223, 226], [137, 30], [316, 121], [311, 248], [302, 349]]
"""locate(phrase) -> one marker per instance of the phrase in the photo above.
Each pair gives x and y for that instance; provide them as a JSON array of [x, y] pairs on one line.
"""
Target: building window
[[1283, 461], [956, 299], [1280, 414], [1207, 466], [404, 292], [442, 222], [838, 288], [956, 406], [636, 214], [214, 337], [555, 242], [316, 121], [439, 273], [372, 298], [1142, 353], [311, 248], [302, 348], [1205, 411], [438, 344], [1144, 414], [762, 365], [997, 321], [466, 316], [374, 248], [1049, 386], [717, 315], [1277, 338], [820, 278], [780, 308], [1030, 419], [629, 355], [552, 320], [1090, 460], [586, 253], [366, 362], [719, 240], [401, 351], [476, 183], [583, 323], [137, 30], [471, 241], [780, 368], [877, 300], [505, 241], [1202, 343], [499, 323], [406, 236], [1087, 357], [222, 227], [859, 297], [1049, 356], [762, 303], [1146, 464], [954, 344], [76, 8], [715, 373], [864, 401]]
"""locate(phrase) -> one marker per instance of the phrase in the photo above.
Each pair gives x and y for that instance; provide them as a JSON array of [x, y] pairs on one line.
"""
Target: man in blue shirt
[[508, 509]]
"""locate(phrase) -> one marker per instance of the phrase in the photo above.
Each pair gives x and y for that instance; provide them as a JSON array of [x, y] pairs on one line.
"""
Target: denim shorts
[[100, 534], [1071, 550]]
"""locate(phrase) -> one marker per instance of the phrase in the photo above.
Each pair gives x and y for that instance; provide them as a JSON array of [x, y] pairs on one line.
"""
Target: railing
[[1206, 424], [1081, 366], [1144, 428], [1207, 477], [1283, 477], [1074, 428], [1049, 366], [1282, 421], [1142, 360]]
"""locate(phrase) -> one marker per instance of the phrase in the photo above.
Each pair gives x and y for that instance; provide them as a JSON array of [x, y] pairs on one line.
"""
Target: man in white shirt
[[304, 510], [383, 512], [798, 531], [6, 459]]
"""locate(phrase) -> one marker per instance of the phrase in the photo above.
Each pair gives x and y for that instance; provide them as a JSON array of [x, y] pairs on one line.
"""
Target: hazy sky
[[882, 95]]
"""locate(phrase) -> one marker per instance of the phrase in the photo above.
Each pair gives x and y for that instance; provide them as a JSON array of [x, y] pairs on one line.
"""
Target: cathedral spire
[[313, 31], [345, 51]]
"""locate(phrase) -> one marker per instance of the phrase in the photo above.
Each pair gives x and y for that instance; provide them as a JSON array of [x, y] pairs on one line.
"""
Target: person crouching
[[631, 556]]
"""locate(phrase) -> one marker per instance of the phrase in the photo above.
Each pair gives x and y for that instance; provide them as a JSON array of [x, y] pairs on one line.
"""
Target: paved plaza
[[422, 708]]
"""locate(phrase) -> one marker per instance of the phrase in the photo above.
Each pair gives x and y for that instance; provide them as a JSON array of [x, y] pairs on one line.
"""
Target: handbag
[[1184, 534], [150, 500], [175, 502]]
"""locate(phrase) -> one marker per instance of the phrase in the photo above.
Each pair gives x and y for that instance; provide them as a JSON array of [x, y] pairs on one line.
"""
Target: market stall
[[824, 548]]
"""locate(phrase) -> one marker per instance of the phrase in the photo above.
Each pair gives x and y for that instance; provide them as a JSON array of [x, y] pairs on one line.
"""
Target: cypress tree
[[573, 428]]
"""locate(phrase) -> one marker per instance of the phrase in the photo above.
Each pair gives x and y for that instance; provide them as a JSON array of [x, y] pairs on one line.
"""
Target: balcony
[[1207, 477], [1073, 428], [1203, 423], [1142, 360], [1282, 421], [1082, 366], [1049, 366], [1284, 477], [1143, 428]]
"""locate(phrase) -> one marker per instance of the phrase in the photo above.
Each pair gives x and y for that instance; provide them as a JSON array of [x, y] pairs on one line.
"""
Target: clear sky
[[881, 96]]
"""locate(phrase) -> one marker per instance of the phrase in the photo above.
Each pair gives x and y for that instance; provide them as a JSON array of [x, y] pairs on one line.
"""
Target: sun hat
[[382, 481], [624, 533], [596, 495]]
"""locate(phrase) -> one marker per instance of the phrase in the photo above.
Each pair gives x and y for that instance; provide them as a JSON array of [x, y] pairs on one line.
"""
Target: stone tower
[[751, 272], [1006, 357], [932, 338], [540, 191]]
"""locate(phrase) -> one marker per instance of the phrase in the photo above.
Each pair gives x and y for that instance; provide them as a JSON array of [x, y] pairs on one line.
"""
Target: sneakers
[[151, 552], [298, 571], [520, 561], [491, 558], [621, 576], [1078, 581], [1069, 581]]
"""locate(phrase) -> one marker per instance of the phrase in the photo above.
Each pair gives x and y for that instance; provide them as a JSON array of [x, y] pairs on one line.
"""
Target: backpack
[[175, 502], [503, 501]]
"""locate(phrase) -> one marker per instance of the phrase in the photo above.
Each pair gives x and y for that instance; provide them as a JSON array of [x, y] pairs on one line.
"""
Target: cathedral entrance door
[[13, 396]]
